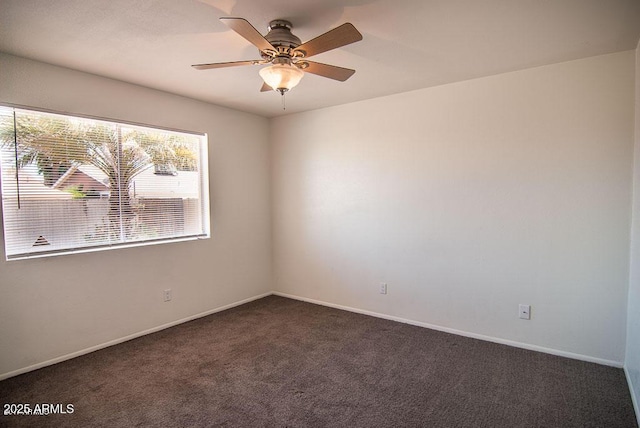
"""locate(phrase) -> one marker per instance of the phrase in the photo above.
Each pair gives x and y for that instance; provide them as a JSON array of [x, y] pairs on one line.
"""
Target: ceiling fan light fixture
[[281, 77]]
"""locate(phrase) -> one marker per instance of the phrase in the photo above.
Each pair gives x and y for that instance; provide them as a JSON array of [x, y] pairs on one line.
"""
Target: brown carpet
[[278, 362]]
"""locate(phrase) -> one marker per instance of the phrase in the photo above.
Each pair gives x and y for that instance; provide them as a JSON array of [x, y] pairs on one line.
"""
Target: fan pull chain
[[284, 104]]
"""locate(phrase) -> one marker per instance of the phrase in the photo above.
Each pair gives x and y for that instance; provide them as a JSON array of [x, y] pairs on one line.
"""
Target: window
[[75, 184]]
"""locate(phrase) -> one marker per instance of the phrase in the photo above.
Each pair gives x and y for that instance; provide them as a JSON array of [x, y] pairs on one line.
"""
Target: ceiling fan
[[287, 54]]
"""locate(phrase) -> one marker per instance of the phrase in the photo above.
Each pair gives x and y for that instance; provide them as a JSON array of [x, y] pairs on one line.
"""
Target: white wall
[[632, 361], [62, 305], [468, 199]]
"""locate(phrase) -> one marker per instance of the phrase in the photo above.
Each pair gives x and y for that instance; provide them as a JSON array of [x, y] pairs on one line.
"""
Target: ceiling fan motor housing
[[281, 38]]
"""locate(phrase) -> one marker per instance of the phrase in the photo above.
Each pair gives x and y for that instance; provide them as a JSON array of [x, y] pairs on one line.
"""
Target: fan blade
[[330, 71], [339, 36], [225, 64], [266, 88], [248, 31]]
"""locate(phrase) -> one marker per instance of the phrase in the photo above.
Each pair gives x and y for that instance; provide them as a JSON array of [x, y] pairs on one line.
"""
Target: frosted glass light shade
[[281, 77]]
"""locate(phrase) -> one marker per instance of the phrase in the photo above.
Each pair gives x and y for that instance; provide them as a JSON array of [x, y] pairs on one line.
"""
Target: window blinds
[[72, 184]]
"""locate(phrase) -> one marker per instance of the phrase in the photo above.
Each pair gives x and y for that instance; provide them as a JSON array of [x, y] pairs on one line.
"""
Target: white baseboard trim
[[634, 400], [528, 346], [127, 338], [331, 305]]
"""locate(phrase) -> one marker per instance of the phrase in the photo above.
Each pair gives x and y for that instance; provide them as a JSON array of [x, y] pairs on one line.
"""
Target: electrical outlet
[[167, 295], [525, 312], [383, 288]]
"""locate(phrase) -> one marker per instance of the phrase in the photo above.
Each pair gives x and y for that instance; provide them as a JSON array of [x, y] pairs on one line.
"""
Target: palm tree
[[44, 141]]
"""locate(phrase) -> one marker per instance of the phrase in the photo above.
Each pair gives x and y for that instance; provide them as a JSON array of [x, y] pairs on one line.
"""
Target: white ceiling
[[407, 45]]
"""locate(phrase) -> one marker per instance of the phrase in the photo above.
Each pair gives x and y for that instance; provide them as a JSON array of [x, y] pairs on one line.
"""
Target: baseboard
[[127, 338], [634, 400], [530, 347], [331, 305]]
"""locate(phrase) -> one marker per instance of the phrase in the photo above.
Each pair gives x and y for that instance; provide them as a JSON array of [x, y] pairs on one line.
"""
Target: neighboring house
[[165, 204], [86, 178], [149, 184]]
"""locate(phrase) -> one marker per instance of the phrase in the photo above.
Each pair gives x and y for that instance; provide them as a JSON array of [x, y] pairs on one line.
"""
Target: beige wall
[[468, 199], [632, 361], [63, 305]]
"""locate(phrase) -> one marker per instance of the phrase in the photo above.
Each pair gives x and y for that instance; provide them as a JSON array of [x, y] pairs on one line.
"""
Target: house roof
[[100, 180]]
